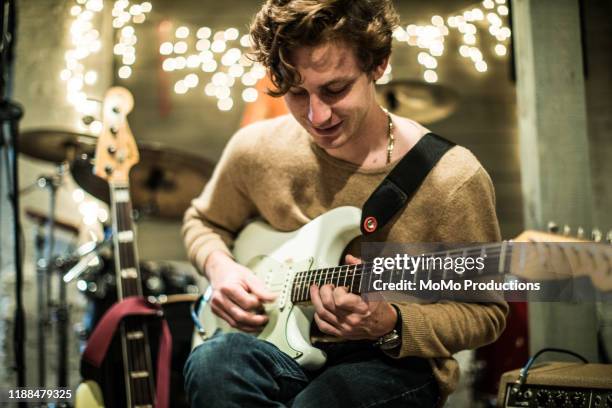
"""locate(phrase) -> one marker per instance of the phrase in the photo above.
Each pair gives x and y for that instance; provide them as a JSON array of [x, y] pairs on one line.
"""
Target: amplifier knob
[[609, 401], [528, 394], [542, 397]]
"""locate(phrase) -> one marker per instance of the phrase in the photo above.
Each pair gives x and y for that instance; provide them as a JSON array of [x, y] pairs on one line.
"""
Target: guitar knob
[[580, 232], [567, 230], [552, 227], [596, 235]]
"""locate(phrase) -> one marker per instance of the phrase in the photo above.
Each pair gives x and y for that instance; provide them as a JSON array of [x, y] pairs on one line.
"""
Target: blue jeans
[[239, 370]]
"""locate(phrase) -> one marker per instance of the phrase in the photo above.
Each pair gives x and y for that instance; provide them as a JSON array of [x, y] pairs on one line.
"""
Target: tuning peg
[[567, 231], [596, 235], [552, 227], [580, 232]]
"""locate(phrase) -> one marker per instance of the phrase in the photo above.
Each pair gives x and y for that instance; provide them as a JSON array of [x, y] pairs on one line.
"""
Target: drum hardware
[[162, 184]]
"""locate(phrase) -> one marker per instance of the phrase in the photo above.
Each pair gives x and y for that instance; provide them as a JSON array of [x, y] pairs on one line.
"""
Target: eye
[[336, 91]]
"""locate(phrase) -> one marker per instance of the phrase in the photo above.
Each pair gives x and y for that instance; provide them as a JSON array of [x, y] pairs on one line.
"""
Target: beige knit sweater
[[271, 169]]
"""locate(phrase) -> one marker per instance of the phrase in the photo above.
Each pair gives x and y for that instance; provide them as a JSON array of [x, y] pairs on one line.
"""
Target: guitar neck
[[139, 381], [358, 278]]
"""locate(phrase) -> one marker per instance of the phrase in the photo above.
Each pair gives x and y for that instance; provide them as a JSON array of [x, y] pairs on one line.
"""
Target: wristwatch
[[393, 339]]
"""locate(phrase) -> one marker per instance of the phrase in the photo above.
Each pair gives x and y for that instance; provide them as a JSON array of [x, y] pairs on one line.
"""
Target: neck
[[367, 147]]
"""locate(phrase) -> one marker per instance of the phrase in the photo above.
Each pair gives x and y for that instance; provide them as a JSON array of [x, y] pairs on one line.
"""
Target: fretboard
[[358, 278], [139, 381]]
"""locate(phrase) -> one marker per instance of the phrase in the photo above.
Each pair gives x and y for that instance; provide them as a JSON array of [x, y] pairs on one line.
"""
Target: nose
[[318, 111]]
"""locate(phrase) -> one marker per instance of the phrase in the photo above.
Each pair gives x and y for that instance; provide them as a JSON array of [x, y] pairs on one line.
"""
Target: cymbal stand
[[45, 245]]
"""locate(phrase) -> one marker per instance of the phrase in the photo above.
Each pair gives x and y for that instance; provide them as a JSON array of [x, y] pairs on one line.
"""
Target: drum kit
[[162, 185]]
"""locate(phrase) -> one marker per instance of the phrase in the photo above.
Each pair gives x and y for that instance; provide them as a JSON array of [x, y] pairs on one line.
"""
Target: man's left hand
[[343, 314]]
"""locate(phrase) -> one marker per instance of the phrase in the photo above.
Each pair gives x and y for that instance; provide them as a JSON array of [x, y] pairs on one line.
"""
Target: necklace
[[390, 137]]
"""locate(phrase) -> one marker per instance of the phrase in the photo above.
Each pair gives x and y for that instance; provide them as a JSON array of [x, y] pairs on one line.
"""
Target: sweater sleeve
[[441, 329], [214, 218]]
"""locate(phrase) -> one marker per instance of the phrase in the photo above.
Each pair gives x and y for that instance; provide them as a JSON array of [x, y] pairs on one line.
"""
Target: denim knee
[[221, 352]]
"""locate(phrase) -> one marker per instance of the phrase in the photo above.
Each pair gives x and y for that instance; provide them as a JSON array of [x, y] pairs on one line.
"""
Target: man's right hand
[[238, 295]]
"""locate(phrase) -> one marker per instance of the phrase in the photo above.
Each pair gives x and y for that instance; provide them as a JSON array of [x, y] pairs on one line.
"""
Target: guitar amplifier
[[557, 384]]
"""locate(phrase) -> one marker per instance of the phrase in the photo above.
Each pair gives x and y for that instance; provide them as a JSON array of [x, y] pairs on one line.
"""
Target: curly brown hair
[[283, 25]]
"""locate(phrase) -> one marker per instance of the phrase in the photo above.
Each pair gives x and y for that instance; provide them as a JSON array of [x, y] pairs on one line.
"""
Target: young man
[[333, 150]]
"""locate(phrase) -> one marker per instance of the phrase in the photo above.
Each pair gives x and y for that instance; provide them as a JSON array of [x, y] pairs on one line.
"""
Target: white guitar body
[[275, 257]]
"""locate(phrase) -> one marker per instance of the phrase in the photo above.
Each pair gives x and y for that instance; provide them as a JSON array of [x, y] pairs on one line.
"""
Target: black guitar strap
[[402, 182]]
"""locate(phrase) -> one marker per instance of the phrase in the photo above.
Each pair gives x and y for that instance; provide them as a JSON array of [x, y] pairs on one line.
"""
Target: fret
[[483, 255], [135, 335], [345, 275], [502, 257], [139, 374], [352, 278], [122, 195], [129, 273], [125, 236]]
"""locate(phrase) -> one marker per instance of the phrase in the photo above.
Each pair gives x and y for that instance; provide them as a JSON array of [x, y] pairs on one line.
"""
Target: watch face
[[390, 341]]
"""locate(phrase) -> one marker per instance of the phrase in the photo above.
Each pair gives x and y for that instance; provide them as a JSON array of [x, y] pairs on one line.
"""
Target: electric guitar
[[116, 153], [290, 262]]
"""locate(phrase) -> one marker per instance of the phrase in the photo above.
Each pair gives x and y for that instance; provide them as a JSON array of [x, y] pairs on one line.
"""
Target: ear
[[378, 71]]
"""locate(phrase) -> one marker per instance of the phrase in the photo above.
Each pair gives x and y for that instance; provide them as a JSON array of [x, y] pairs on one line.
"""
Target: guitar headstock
[[548, 256], [116, 151]]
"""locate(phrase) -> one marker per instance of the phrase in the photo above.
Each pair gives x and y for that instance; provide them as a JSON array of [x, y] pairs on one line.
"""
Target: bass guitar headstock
[[116, 151]]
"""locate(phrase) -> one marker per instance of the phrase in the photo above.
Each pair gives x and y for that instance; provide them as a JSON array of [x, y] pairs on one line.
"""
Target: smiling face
[[335, 97]]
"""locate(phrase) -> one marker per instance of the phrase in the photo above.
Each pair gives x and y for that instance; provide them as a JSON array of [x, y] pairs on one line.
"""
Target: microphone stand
[[10, 114]]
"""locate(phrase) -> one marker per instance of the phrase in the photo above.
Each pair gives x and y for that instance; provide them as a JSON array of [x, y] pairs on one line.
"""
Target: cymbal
[[55, 145], [423, 102], [162, 184]]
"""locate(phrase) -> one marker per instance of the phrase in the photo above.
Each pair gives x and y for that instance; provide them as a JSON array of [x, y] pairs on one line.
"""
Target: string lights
[[124, 14], [217, 62], [219, 56]]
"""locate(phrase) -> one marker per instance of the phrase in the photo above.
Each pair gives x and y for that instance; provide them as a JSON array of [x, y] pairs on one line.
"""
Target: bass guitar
[[116, 153]]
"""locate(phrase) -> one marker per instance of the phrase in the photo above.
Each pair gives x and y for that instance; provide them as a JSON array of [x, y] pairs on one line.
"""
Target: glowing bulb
[[249, 95], [180, 87], [181, 62], [488, 4], [503, 10], [219, 79], [222, 92], [210, 89], [169, 64], [65, 74], [139, 19], [236, 70], [500, 1], [245, 41], [127, 31], [191, 80], [248, 79], [91, 77], [475, 54], [481, 66], [430, 76], [146, 7], [469, 39], [437, 21], [431, 63], [75, 10], [500, 50], [180, 47], [464, 50], [202, 45], [436, 49], [218, 46], [182, 32], [125, 72], [135, 9], [225, 104], [209, 65], [203, 32], [231, 34], [166, 48], [193, 61]]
